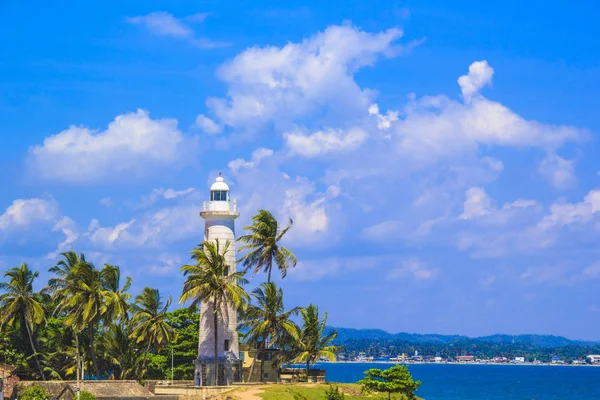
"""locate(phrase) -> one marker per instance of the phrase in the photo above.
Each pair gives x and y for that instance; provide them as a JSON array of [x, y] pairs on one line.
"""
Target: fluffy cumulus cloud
[[23, 213], [36, 220], [283, 84], [132, 145], [436, 126]]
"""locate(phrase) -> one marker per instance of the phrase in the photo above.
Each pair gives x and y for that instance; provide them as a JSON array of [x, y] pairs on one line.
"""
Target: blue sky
[[439, 161]]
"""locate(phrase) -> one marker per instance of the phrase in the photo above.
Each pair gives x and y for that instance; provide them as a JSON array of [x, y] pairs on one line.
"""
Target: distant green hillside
[[345, 334]]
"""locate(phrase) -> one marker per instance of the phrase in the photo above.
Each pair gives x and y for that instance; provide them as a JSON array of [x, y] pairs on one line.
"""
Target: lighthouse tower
[[219, 214]]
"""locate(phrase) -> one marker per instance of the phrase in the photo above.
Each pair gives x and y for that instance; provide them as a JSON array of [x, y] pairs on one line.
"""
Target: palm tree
[[208, 281], [118, 351], [314, 343], [81, 295], [118, 307], [76, 288], [149, 322], [263, 247], [20, 303], [268, 320]]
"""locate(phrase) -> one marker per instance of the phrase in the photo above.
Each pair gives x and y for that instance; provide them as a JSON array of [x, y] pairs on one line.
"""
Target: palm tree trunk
[[269, 275], [307, 367], [216, 334], [144, 362], [263, 346], [77, 359], [93, 351], [37, 360], [252, 368]]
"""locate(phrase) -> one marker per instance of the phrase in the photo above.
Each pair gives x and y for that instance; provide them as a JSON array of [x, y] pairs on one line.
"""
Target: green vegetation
[[314, 342], [267, 320], [84, 324], [316, 392], [262, 244], [334, 393], [83, 395], [396, 379], [210, 281], [149, 324], [34, 393], [478, 347]]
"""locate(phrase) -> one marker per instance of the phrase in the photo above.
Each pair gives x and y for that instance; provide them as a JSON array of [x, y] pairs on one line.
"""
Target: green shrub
[[334, 393], [86, 396], [34, 392], [299, 396]]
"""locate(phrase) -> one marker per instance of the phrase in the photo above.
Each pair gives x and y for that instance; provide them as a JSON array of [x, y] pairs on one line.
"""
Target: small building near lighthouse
[[219, 214]]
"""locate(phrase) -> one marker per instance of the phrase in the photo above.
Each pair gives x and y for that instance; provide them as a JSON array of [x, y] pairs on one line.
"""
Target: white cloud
[[69, 228], [558, 171], [106, 202], [257, 155], [477, 204], [325, 142], [415, 268], [480, 74], [282, 84], [132, 145], [207, 125], [382, 231], [23, 213], [307, 208], [436, 127], [162, 24], [384, 122], [165, 24], [572, 213]]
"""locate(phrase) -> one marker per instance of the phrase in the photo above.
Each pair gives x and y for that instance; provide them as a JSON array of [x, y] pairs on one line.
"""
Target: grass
[[316, 392]]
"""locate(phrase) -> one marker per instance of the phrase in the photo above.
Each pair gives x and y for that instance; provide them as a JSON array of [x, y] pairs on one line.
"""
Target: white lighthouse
[[219, 214]]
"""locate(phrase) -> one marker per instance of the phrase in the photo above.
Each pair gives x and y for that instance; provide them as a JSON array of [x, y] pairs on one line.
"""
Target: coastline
[[460, 363]]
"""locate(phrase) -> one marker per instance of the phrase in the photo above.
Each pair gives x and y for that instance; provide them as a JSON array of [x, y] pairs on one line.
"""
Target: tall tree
[[19, 302], [148, 323], [314, 343], [262, 244], [208, 281], [81, 295], [267, 321], [66, 286], [118, 306]]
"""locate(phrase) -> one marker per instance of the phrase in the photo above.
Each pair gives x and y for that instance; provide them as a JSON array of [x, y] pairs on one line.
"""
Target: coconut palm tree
[[80, 294], [313, 342], [19, 302], [267, 321], [149, 322], [209, 281], [118, 307], [262, 243], [77, 289]]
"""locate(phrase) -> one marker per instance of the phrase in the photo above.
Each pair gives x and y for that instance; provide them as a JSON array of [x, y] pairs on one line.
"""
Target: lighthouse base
[[225, 372]]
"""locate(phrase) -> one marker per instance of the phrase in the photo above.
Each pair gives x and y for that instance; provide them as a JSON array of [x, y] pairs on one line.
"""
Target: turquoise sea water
[[487, 382]]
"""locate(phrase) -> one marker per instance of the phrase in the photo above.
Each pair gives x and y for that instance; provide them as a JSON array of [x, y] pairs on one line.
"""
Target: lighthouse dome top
[[219, 184]]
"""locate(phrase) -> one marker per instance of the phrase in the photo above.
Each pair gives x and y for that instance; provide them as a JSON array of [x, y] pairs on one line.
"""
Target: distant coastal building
[[465, 359], [594, 358], [219, 214]]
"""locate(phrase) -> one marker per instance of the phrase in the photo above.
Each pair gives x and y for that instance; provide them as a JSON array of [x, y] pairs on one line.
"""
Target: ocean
[[487, 382]]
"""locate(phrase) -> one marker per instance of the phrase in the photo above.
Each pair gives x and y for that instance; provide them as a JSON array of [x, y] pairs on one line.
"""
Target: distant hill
[[345, 334]]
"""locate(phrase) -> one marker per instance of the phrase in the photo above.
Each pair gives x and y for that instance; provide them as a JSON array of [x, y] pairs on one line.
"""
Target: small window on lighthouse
[[226, 345], [227, 270]]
